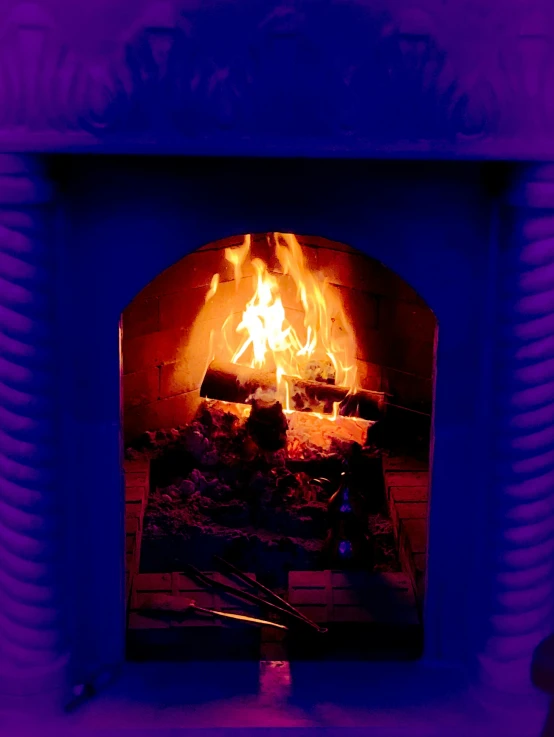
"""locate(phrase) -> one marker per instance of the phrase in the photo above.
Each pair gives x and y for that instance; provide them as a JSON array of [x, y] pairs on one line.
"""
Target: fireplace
[[254, 369], [126, 171]]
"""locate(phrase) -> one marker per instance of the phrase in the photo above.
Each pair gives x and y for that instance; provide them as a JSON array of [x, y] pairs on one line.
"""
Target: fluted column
[[32, 653], [522, 485]]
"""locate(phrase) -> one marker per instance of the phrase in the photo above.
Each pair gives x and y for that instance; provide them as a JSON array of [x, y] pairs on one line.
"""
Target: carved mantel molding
[[251, 78]]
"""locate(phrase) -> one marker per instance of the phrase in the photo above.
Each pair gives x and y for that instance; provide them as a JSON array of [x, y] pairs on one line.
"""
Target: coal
[[267, 425], [216, 491]]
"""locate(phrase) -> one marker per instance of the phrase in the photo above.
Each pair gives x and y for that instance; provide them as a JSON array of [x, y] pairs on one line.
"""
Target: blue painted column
[[33, 654], [521, 512]]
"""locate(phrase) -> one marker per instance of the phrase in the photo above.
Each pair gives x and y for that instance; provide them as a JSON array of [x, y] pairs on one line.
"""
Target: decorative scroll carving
[[526, 62], [431, 104], [149, 78], [287, 72], [30, 645], [522, 527], [292, 88], [43, 85]]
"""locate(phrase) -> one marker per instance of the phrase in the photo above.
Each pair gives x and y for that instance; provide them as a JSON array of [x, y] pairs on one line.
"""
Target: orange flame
[[237, 256], [265, 336], [213, 287]]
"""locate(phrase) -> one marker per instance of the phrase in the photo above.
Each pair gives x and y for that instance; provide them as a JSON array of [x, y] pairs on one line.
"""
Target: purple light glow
[[345, 548]]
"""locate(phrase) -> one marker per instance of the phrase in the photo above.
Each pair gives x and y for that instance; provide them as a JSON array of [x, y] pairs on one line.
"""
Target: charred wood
[[232, 383]]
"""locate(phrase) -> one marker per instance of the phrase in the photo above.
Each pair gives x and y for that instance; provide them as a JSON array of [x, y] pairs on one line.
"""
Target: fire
[[264, 325], [265, 337], [213, 287]]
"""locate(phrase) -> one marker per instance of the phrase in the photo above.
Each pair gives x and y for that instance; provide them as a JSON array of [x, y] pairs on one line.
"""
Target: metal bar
[[242, 594], [268, 592], [241, 617], [407, 409]]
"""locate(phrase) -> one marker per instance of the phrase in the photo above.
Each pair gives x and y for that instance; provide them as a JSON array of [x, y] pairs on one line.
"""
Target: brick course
[[167, 413], [154, 349], [137, 486], [141, 317], [407, 489], [182, 377], [141, 387]]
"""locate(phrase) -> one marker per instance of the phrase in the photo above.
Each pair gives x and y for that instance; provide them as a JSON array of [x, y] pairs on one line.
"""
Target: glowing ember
[[265, 337]]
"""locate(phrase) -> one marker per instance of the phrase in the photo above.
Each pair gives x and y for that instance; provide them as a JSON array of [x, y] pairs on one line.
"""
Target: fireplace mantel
[[465, 81], [461, 80]]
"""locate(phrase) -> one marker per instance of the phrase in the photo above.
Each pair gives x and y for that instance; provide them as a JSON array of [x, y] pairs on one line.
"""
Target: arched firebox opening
[[277, 401]]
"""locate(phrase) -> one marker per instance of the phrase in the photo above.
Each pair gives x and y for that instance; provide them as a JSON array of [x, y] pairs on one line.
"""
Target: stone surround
[[517, 574], [461, 81]]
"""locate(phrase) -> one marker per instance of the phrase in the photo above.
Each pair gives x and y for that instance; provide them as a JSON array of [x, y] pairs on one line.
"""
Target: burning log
[[315, 396], [267, 425], [232, 383]]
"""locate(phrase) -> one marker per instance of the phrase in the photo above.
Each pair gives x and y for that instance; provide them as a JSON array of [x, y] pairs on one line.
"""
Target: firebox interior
[[277, 397]]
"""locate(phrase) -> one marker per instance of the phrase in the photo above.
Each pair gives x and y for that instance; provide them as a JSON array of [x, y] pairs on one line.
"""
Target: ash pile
[[253, 486]]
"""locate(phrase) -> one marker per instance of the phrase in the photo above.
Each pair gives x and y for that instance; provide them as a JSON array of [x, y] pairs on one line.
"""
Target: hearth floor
[[389, 699]]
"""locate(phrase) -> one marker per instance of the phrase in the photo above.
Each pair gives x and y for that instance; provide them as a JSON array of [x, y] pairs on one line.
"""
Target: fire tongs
[[277, 605], [160, 604]]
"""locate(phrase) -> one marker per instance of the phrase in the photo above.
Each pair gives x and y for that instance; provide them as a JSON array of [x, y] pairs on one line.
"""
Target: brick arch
[[167, 325]]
